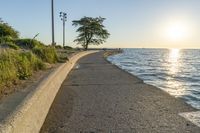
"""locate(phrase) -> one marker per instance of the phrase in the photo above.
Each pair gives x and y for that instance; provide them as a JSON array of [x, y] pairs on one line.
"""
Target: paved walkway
[[97, 97]]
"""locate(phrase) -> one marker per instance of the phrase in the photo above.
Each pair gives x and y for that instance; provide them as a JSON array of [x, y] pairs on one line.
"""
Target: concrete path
[[97, 97]]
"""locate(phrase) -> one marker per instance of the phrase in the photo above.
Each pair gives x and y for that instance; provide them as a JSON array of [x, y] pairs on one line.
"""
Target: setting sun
[[177, 31]]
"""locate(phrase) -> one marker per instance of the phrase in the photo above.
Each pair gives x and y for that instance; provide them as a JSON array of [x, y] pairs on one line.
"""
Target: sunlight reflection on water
[[174, 60], [174, 64], [173, 70]]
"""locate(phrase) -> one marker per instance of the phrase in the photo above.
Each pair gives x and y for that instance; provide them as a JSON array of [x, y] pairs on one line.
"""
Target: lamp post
[[52, 18], [63, 17]]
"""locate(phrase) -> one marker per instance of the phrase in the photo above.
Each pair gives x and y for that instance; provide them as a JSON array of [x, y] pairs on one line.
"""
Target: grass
[[28, 43], [9, 45], [47, 54], [15, 65], [26, 63], [20, 64], [20, 58]]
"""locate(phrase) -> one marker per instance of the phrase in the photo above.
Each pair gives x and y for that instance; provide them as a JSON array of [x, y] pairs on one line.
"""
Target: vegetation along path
[[97, 97]]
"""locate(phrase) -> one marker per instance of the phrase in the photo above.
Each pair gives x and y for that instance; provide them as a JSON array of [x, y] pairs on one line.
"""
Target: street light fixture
[[63, 17]]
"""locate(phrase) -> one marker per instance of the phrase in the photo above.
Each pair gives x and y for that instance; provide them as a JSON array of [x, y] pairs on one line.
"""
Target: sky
[[131, 23]]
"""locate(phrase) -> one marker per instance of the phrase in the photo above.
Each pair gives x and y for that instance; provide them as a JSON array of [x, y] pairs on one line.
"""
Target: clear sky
[[132, 23]]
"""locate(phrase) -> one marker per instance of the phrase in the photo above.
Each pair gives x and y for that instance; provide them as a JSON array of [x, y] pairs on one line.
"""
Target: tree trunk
[[86, 46]]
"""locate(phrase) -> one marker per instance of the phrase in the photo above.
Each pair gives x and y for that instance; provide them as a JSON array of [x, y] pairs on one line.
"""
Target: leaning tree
[[91, 31]]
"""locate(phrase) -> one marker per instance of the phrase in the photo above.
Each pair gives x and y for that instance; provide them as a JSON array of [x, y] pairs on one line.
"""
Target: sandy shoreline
[[107, 99]]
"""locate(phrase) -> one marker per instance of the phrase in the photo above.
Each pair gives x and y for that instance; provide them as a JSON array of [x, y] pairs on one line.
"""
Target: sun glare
[[177, 32]]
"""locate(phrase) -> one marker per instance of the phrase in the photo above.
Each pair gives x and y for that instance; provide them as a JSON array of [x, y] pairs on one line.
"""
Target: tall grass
[[28, 43], [16, 65], [19, 58], [9, 45], [8, 71], [47, 54]]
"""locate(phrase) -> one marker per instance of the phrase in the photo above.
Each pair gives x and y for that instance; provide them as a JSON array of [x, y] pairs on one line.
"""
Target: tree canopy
[[7, 31], [91, 31]]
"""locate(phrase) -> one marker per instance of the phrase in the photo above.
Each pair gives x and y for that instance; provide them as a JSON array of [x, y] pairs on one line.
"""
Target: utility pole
[[52, 17], [63, 17]]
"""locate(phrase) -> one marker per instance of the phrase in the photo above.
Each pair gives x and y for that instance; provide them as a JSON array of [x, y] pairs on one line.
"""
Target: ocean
[[176, 71]]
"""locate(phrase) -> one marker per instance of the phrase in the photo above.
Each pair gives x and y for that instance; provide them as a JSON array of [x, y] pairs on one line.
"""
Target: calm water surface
[[173, 70]]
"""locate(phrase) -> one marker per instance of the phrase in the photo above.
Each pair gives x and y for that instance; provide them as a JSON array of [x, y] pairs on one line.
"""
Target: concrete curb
[[31, 113]]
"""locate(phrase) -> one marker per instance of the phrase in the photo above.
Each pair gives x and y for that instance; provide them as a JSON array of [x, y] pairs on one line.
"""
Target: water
[[173, 70]]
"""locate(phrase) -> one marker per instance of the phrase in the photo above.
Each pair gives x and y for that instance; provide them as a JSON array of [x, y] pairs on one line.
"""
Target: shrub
[[28, 43], [27, 62], [23, 66], [58, 47], [7, 30], [9, 45], [47, 54], [6, 39], [8, 71], [68, 47], [35, 62], [16, 65]]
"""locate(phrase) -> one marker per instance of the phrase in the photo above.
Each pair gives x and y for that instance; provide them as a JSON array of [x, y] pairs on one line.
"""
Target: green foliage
[[58, 47], [16, 65], [8, 71], [6, 39], [35, 62], [68, 48], [27, 62], [63, 55], [28, 43], [7, 30], [22, 56], [47, 54], [23, 65], [9, 45], [91, 31]]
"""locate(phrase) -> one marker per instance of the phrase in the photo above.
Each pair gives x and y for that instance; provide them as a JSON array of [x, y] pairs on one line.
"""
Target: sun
[[176, 31]]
